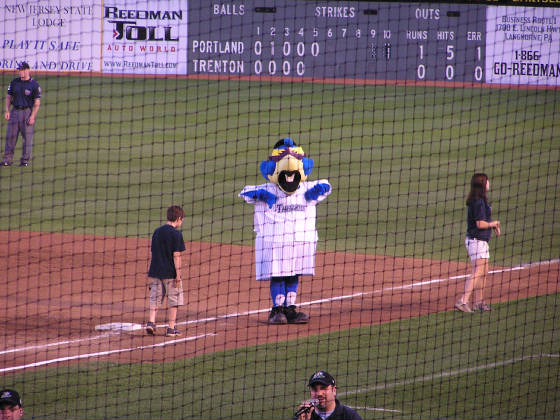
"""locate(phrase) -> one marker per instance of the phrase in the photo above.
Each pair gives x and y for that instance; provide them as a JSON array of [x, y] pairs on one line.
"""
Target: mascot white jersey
[[284, 222]]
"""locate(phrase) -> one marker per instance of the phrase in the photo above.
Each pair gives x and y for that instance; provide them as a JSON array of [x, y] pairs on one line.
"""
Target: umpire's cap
[[321, 377], [10, 397], [23, 65]]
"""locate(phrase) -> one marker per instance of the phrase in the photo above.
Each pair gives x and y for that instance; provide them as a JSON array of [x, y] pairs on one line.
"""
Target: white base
[[119, 326]]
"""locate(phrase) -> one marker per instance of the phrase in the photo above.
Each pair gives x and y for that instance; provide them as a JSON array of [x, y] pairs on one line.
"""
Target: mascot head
[[287, 166]]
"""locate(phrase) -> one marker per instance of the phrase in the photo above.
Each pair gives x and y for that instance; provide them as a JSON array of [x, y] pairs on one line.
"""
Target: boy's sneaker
[[463, 307], [151, 328], [173, 332], [482, 306], [277, 316], [295, 317]]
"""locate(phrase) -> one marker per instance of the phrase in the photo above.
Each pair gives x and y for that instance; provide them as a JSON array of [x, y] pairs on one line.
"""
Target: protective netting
[[391, 108]]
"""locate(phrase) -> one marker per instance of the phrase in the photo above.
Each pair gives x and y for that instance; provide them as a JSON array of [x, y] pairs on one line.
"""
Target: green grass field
[[436, 366], [399, 160], [111, 154]]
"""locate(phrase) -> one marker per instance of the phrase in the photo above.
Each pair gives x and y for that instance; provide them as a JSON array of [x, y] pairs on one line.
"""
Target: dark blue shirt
[[165, 241], [479, 210], [341, 412], [24, 92]]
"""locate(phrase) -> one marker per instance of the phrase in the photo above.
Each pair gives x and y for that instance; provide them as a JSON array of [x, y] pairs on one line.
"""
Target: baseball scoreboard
[[484, 41], [375, 40]]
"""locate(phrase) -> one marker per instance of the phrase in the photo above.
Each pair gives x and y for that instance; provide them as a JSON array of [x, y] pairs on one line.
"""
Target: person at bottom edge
[[11, 406], [323, 404]]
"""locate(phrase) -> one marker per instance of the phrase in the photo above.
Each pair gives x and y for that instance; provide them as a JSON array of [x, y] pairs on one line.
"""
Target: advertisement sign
[[144, 37], [523, 45], [59, 36]]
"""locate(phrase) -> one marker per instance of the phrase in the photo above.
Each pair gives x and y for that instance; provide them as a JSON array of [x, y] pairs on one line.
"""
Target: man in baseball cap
[[11, 407], [22, 105], [323, 404], [323, 378]]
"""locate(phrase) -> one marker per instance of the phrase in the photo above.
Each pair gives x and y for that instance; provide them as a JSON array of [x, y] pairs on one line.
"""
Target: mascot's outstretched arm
[[317, 191], [261, 195]]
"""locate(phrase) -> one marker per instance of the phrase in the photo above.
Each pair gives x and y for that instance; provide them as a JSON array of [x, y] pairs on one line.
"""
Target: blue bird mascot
[[284, 221]]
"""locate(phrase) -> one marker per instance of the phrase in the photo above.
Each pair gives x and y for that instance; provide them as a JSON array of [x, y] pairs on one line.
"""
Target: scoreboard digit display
[[367, 40]]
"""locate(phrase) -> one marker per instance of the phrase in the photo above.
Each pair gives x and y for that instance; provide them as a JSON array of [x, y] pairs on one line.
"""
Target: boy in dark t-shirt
[[164, 274]]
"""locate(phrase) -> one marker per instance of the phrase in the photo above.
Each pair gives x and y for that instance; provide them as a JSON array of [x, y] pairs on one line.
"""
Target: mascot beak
[[290, 163]]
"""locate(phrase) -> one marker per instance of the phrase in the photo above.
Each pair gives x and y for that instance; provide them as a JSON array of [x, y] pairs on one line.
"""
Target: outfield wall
[[423, 42]]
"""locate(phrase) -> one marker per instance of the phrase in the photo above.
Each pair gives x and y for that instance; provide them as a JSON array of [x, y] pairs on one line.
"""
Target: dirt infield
[[61, 286]]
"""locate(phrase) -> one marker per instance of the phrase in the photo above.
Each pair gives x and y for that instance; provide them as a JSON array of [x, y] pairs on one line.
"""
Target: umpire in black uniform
[[22, 104]]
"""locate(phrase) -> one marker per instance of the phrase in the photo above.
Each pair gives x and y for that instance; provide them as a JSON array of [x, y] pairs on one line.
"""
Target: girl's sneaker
[[463, 307], [482, 306]]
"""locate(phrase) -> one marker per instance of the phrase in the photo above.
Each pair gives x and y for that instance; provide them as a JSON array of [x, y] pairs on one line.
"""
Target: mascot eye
[[278, 154]]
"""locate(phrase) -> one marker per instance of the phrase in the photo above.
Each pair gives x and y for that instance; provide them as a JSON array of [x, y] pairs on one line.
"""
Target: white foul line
[[448, 374], [313, 302], [376, 409], [102, 353], [373, 292], [58, 343]]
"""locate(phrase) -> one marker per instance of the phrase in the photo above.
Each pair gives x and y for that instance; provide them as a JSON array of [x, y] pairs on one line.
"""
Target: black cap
[[23, 65], [321, 377], [10, 397]]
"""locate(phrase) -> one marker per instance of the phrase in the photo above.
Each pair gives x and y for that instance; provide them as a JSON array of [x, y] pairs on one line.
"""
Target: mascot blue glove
[[262, 195], [316, 191]]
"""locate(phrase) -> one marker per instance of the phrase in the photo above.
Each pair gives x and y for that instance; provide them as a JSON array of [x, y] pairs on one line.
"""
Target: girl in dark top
[[479, 231]]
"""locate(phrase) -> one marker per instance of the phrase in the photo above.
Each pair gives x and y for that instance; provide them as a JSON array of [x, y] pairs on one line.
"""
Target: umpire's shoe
[[277, 316], [294, 317]]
